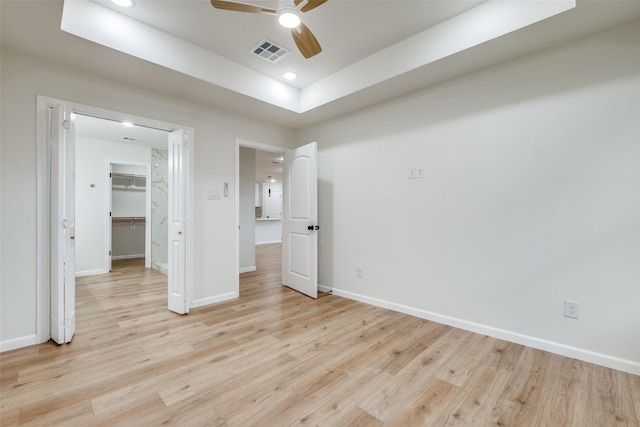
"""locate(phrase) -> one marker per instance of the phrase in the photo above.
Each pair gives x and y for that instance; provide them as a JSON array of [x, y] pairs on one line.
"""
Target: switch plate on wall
[[213, 194]]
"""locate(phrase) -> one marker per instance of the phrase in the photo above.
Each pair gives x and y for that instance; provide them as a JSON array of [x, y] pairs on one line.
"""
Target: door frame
[[257, 146], [43, 194]]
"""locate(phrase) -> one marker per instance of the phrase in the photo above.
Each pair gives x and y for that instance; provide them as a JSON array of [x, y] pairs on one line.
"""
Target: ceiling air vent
[[269, 51]]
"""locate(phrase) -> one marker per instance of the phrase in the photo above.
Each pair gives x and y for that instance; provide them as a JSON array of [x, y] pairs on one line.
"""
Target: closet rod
[[128, 175]]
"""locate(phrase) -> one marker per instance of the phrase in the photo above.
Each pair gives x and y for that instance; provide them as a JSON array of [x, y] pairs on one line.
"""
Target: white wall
[[247, 176], [92, 167], [22, 79], [531, 196]]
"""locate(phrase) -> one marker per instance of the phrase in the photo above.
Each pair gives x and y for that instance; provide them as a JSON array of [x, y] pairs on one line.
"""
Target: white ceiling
[[268, 165], [373, 50], [113, 131], [233, 35]]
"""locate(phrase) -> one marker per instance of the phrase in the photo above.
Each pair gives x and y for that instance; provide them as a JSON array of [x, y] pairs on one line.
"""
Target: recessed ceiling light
[[123, 3], [127, 124], [290, 75]]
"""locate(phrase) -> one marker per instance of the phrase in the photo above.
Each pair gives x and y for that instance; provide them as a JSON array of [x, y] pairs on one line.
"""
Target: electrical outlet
[[413, 172], [571, 309], [420, 172], [359, 272]]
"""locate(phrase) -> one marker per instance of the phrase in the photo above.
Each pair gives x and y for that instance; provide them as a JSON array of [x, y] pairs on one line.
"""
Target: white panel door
[[63, 226], [299, 222], [177, 292]]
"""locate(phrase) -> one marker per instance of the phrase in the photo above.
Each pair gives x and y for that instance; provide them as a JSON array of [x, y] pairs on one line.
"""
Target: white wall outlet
[[359, 272], [571, 309], [420, 172], [413, 172]]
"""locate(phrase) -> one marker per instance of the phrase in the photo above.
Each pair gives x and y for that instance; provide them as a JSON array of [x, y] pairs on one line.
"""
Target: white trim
[[212, 300], [43, 103], [248, 269], [132, 256], [257, 146], [585, 355], [90, 272], [20, 342], [268, 243], [43, 219]]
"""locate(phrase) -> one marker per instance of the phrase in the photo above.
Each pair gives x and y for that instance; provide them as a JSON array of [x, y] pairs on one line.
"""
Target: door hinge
[[65, 124], [64, 223], [109, 253]]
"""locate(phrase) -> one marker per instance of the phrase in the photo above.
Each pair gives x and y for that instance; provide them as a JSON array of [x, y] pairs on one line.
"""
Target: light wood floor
[[277, 358]]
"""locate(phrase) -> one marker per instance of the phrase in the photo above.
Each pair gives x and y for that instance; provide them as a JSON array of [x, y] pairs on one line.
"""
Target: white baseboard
[[247, 269], [630, 366], [160, 268], [133, 256], [212, 300], [91, 272], [20, 342], [268, 243]]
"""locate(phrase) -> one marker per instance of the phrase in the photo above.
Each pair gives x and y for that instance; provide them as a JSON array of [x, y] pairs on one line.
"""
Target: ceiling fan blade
[[241, 7], [306, 41], [310, 4]]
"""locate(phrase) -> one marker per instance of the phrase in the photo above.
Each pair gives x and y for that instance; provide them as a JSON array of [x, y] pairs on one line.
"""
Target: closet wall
[[159, 209]]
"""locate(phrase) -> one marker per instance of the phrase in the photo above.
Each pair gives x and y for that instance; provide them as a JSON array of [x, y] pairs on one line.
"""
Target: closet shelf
[[128, 181], [128, 188], [128, 218], [128, 175]]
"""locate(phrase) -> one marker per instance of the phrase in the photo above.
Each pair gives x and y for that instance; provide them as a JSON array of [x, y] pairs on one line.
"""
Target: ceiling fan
[[288, 14]]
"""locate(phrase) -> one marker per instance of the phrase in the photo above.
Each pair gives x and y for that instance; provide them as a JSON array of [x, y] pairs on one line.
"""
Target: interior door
[[299, 224], [110, 219], [63, 286], [177, 292]]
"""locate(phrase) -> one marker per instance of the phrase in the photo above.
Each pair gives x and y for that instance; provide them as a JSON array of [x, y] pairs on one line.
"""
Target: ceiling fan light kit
[[289, 15]]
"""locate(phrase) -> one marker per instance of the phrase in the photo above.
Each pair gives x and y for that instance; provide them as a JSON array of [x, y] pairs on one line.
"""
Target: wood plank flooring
[[277, 358]]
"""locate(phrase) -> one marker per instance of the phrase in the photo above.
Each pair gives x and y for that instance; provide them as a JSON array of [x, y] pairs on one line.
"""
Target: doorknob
[[179, 232], [317, 227], [72, 237], [313, 227], [310, 228]]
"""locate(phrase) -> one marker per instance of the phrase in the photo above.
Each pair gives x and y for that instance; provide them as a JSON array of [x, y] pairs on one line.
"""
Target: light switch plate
[[213, 194]]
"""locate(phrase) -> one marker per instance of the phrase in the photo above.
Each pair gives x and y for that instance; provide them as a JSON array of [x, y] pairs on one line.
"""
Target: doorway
[[180, 138], [299, 215], [121, 193], [259, 178]]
